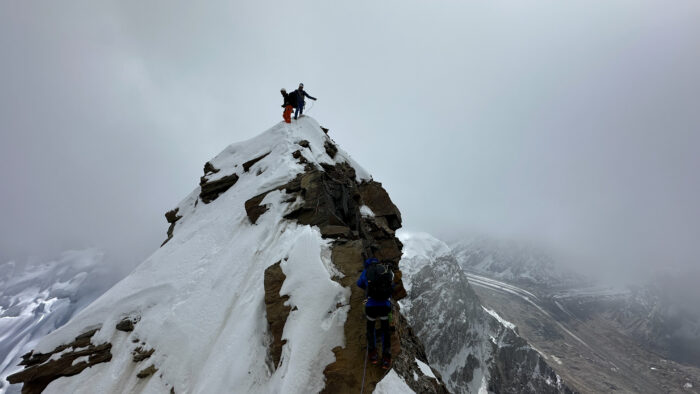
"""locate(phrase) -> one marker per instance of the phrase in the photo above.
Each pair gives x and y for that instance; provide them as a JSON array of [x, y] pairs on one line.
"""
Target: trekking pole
[[364, 370]]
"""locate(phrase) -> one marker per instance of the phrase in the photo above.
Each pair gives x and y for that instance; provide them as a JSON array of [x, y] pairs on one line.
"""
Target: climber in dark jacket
[[376, 309], [300, 94], [288, 104]]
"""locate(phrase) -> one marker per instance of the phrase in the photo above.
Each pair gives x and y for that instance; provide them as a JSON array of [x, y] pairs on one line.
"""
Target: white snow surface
[[501, 320], [392, 384], [366, 211], [425, 369], [200, 297]]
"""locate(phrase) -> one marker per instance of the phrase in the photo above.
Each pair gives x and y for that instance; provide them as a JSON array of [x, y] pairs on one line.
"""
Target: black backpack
[[379, 278]]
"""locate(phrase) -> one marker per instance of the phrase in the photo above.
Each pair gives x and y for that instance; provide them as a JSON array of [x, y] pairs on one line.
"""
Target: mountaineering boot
[[373, 357], [386, 362]]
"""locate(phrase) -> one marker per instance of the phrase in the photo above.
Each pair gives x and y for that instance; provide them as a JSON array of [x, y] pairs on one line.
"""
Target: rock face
[[66, 360], [331, 199], [172, 217], [276, 310], [473, 348]]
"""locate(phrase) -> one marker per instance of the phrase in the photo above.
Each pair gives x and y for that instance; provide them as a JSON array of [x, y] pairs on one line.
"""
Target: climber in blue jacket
[[299, 96], [377, 280]]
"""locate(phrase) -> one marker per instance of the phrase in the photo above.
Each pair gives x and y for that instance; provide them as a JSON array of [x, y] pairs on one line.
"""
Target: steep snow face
[[198, 301], [36, 298], [474, 349]]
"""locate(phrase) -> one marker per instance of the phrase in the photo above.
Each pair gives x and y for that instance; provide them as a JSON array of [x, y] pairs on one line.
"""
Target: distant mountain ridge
[[474, 349]]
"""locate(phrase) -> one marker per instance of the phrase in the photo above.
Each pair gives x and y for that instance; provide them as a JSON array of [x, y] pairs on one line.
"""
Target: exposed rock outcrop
[[127, 324], [171, 217], [275, 309], [331, 199], [250, 163], [43, 368], [331, 149], [146, 372], [141, 354], [212, 189]]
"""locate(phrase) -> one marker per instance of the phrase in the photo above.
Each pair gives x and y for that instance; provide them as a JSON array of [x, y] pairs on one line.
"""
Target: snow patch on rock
[[392, 384]]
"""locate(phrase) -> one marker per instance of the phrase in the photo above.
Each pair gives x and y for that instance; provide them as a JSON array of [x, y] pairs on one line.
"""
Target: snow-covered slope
[[474, 349], [38, 297], [195, 316]]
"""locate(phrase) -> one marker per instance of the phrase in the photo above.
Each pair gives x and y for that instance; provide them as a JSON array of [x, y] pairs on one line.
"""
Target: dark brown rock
[[141, 354], [331, 149], [210, 169], [331, 231], [276, 310], [146, 372], [126, 325], [253, 208], [249, 163], [325, 130], [40, 370], [172, 217], [377, 199], [331, 201], [304, 143], [300, 158], [212, 189]]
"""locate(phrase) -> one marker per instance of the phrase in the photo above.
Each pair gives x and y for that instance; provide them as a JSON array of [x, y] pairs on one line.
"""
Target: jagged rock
[[406, 366], [210, 169], [146, 372], [40, 369], [332, 201], [331, 149], [448, 317], [377, 199], [253, 208], [331, 231], [249, 163], [304, 143], [297, 155], [212, 189], [275, 309], [325, 130], [126, 325], [171, 217], [141, 354]]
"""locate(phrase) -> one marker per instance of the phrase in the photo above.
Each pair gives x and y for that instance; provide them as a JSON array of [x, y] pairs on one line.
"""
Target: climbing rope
[[307, 109], [364, 370]]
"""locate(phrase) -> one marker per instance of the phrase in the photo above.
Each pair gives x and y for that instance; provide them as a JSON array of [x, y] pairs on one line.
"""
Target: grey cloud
[[574, 125]]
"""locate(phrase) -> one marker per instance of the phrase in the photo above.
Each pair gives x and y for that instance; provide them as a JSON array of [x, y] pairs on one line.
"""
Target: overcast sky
[[575, 124]]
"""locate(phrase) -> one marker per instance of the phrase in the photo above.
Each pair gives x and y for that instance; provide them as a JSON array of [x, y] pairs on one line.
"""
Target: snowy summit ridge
[[253, 289]]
